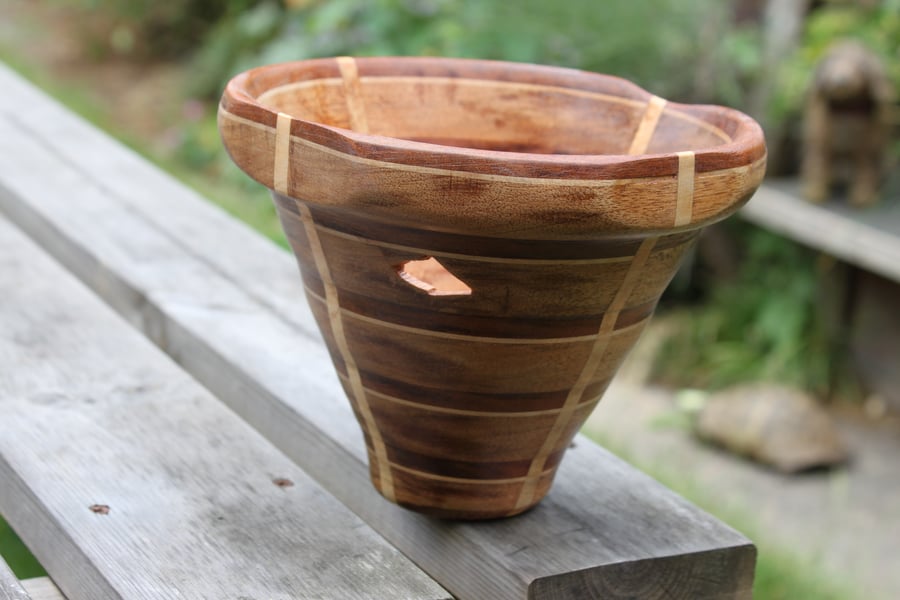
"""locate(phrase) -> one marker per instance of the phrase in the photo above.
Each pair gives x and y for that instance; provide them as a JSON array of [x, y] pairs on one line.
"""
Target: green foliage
[[16, 555], [652, 42], [230, 41], [736, 57], [765, 324]]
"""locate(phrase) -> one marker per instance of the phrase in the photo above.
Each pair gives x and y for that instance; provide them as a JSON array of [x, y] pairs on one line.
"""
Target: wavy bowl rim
[[746, 148]]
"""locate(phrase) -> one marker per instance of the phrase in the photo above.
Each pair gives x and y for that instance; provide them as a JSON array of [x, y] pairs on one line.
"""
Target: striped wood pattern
[[569, 133], [468, 398], [536, 188]]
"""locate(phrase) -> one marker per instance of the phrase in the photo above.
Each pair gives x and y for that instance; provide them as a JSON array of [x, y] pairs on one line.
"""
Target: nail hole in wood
[[432, 277]]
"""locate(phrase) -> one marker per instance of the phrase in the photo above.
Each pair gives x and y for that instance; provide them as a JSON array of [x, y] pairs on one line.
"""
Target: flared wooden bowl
[[481, 244]]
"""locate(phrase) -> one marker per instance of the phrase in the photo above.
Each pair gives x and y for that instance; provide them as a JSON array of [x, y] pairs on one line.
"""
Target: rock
[[773, 424]]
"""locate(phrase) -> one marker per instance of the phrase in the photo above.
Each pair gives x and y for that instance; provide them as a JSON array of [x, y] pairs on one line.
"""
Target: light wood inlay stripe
[[684, 202], [282, 168], [464, 412], [526, 496], [472, 257], [471, 338], [271, 96], [337, 327], [353, 94], [463, 480], [647, 126]]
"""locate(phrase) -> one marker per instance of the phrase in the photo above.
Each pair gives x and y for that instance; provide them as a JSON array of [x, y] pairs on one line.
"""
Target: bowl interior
[[488, 114]]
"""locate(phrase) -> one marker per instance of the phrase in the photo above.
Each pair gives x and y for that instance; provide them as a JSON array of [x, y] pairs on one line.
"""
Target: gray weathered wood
[[42, 588], [129, 480], [229, 307], [10, 587], [867, 238]]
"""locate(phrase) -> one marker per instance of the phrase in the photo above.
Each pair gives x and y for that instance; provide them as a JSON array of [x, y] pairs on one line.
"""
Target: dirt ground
[[139, 99]]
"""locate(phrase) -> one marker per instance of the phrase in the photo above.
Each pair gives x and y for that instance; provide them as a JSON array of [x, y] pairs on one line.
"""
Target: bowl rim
[[241, 99]]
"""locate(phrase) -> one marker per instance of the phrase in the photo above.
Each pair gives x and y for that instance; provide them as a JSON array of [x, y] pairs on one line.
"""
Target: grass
[[17, 556], [780, 574]]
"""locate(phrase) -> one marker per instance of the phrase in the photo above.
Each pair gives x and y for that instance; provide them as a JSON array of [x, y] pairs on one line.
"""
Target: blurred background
[[753, 314]]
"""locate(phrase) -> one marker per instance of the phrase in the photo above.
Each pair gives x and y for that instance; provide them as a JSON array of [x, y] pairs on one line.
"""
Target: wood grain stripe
[[464, 412], [373, 231], [465, 480], [467, 338], [473, 257], [481, 323], [340, 338], [282, 165], [684, 202], [647, 126], [490, 469], [451, 336], [646, 311], [353, 94], [506, 401], [526, 496]]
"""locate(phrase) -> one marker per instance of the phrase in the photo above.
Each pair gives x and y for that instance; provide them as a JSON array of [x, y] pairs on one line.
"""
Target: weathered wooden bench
[[866, 238], [222, 459]]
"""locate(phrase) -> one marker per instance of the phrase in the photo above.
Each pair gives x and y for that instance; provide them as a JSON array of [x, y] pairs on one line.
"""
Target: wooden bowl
[[481, 244]]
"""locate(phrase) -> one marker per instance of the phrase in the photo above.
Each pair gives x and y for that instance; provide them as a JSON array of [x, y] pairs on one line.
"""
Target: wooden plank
[[10, 587], [229, 307], [128, 480], [42, 588], [868, 238]]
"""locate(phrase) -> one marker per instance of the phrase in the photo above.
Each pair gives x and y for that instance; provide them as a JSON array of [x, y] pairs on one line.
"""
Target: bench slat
[[129, 480], [10, 587], [868, 238], [42, 588], [229, 307]]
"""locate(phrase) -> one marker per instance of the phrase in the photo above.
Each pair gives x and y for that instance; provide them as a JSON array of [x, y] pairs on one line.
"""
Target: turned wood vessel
[[481, 244]]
